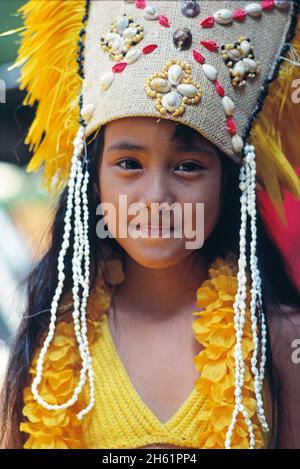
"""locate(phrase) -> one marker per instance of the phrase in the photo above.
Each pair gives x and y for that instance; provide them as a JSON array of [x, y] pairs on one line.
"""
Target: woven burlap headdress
[[224, 68]]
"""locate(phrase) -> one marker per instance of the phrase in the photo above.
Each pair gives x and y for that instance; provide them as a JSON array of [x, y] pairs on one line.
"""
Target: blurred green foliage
[[9, 20]]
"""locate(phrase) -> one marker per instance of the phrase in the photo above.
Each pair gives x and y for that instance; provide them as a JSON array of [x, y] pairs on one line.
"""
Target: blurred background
[[26, 209]]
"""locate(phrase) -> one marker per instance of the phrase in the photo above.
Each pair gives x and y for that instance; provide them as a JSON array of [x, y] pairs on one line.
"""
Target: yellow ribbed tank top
[[120, 419]]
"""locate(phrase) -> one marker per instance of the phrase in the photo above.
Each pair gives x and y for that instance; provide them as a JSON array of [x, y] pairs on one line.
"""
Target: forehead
[[150, 129]]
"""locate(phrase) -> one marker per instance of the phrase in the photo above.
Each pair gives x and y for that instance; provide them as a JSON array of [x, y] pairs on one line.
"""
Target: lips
[[156, 228]]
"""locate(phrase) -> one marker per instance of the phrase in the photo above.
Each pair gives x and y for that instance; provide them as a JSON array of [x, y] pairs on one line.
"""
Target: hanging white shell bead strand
[[86, 363], [86, 293], [256, 294], [240, 314], [248, 207], [80, 277]]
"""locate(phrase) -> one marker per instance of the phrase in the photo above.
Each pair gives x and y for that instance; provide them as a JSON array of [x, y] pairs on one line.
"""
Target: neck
[[163, 292]]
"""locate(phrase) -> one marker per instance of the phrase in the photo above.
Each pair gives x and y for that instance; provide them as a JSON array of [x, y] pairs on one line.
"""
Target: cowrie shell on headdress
[[228, 106], [237, 143], [121, 23], [250, 65], [171, 101], [109, 37], [234, 55], [160, 85], [87, 111], [254, 9], [239, 69], [150, 13], [223, 16], [132, 55], [129, 33], [187, 90], [106, 80], [210, 71], [175, 74], [118, 44], [245, 47]]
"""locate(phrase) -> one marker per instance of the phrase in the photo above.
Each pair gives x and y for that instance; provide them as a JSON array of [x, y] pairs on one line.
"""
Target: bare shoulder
[[284, 332]]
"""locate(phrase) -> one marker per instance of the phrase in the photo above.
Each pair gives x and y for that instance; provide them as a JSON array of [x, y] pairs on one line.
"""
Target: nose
[[157, 189]]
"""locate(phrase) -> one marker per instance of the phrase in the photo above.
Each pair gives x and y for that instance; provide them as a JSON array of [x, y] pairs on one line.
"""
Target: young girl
[[151, 344]]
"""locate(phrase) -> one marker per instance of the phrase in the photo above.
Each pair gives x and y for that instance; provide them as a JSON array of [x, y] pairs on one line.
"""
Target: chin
[[156, 256]]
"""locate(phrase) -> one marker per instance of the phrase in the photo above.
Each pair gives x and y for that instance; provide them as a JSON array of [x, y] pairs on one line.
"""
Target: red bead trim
[[150, 48], [231, 125], [141, 4], [239, 15], [210, 45], [219, 88], [119, 67], [198, 57], [207, 22], [268, 4], [164, 21]]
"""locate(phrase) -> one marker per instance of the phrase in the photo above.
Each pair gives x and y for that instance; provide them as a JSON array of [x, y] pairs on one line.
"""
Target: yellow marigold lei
[[214, 329]]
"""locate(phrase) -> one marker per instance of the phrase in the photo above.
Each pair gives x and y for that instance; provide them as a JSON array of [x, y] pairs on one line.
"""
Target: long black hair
[[277, 286]]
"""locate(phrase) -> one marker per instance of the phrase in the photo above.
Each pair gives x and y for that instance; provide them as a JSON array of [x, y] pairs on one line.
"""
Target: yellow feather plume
[[275, 134], [49, 74]]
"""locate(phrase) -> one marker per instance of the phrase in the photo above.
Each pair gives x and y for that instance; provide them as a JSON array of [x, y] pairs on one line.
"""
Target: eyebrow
[[187, 147]]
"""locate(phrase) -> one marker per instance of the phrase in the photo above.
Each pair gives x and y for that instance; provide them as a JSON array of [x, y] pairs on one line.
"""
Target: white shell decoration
[[118, 44], [175, 74], [254, 9], [228, 106], [171, 101], [223, 16], [237, 143], [239, 69], [121, 23], [234, 55], [150, 13], [106, 80], [110, 37], [190, 91], [250, 65], [160, 85], [210, 71], [87, 111], [282, 4], [132, 55], [246, 47], [129, 33]]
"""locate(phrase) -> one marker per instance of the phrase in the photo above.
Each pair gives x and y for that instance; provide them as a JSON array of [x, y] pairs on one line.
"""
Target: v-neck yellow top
[[121, 419]]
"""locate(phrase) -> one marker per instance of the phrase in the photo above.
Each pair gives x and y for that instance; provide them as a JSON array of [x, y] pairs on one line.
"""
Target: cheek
[[211, 214], [118, 195], [109, 194], [208, 193]]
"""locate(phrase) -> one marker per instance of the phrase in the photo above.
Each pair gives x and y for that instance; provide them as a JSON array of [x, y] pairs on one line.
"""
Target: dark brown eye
[[130, 164], [191, 166]]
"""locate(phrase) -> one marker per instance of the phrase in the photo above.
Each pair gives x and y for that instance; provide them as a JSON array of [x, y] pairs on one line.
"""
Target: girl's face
[[144, 160]]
